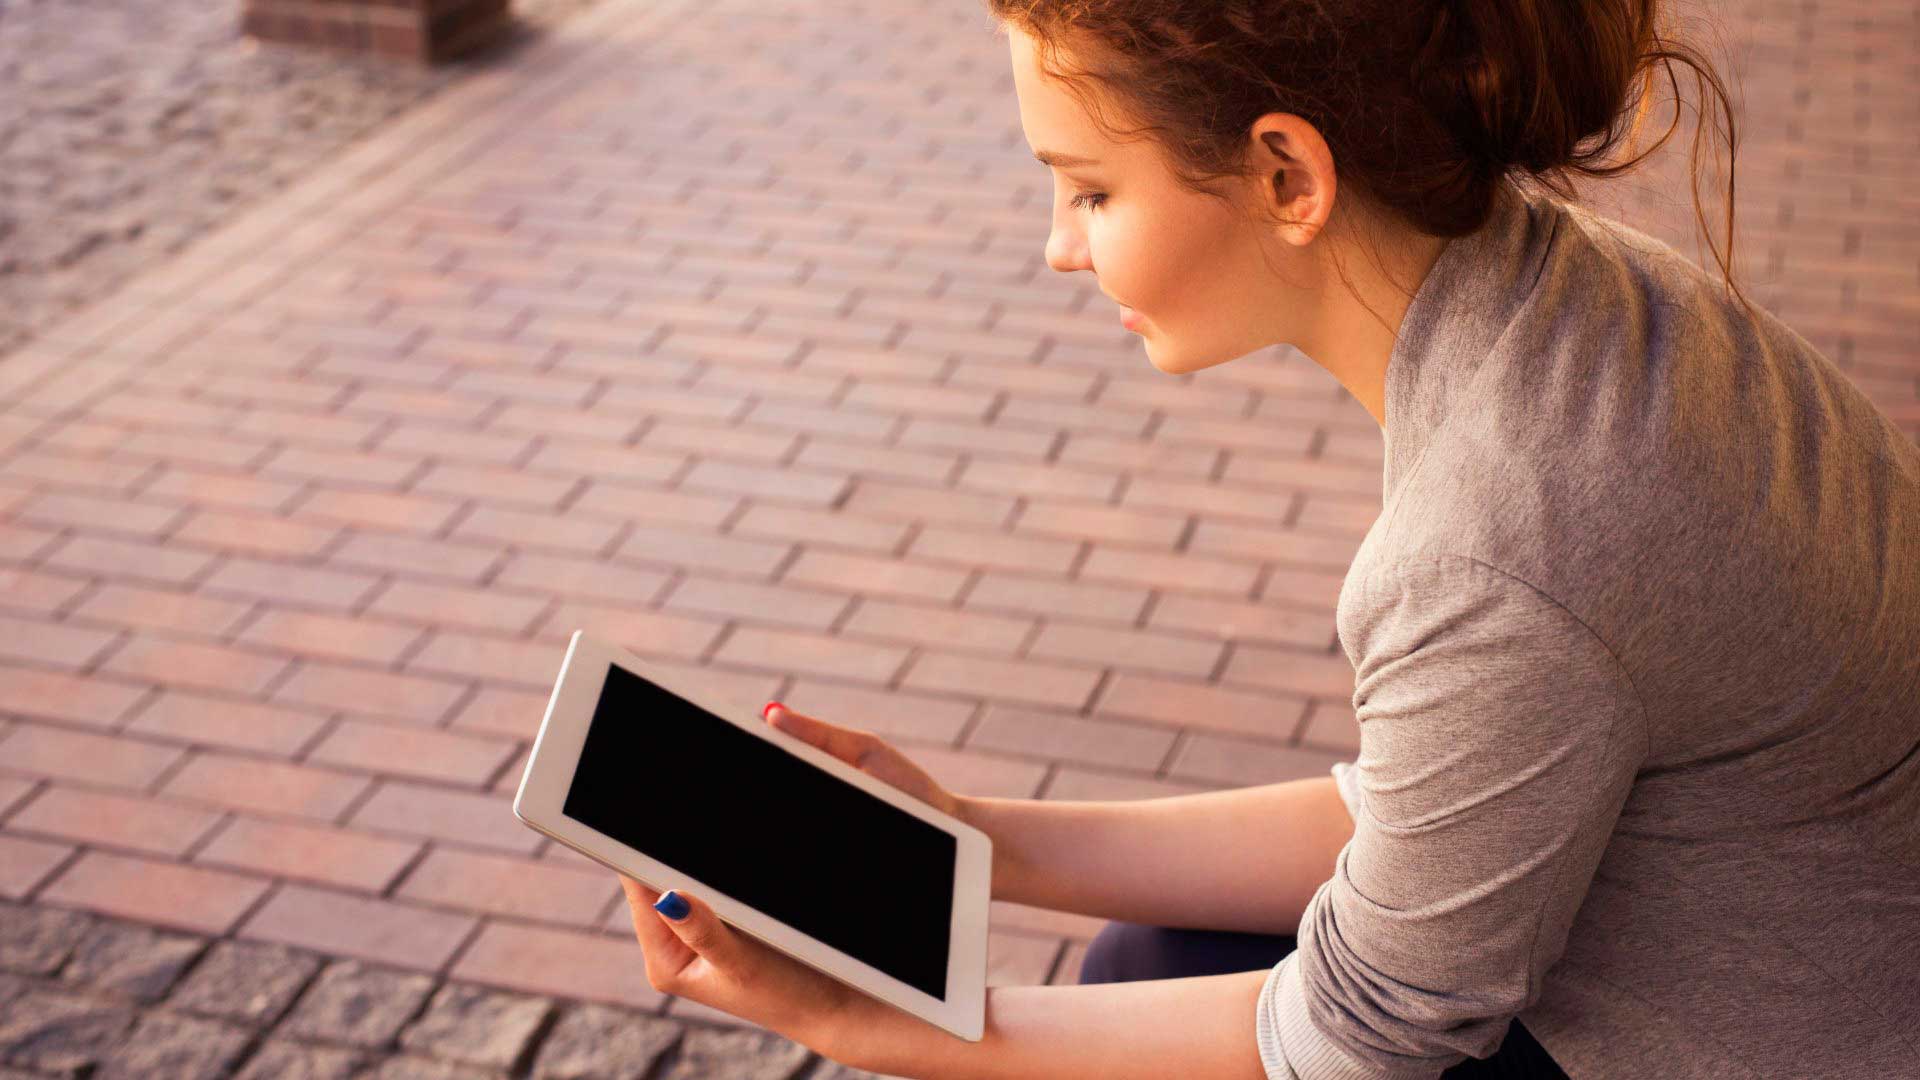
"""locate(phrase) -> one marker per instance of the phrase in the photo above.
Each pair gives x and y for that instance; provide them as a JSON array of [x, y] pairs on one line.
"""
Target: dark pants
[[1125, 952]]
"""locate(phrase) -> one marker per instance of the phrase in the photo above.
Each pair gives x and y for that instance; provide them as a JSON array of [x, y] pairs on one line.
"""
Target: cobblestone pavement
[[129, 127], [723, 330], [85, 995]]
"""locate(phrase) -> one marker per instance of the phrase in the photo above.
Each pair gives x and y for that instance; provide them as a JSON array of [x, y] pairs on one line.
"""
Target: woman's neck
[[1353, 337]]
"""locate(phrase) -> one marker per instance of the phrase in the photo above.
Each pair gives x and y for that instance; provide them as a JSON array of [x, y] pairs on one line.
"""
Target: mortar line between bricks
[[275, 886], [466, 942], [190, 855], [34, 787], [54, 873]]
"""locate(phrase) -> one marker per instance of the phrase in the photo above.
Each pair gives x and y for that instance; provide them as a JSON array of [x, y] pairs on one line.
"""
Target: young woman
[[1636, 635]]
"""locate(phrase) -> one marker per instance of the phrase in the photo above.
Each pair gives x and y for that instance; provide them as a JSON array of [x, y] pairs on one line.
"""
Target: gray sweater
[[1636, 650]]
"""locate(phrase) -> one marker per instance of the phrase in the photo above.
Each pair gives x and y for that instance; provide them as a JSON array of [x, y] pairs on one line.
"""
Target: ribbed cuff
[[1271, 1056], [1292, 1048], [1304, 1048]]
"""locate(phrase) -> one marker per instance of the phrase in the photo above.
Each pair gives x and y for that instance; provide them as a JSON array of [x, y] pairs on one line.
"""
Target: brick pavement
[[725, 331]]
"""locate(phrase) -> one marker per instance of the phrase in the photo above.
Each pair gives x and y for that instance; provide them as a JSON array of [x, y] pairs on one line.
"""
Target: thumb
[[699, 928]]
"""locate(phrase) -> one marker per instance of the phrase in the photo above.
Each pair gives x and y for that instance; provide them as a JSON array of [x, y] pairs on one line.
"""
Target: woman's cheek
[[1128, 272], [1186, 265]]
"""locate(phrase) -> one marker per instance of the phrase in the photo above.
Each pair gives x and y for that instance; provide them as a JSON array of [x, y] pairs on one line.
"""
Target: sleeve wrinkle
[[1490, 777], [1639, 703]]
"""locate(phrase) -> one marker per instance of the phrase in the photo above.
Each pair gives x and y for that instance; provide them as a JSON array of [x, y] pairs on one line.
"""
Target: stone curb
[[87, 995]]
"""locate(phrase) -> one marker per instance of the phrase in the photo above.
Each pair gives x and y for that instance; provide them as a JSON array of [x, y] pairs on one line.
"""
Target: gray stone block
[[282, 1060], [353, 1003], [12, 986], [419, 1068], [251, 982], [476, 1026], [600, 1042], [57, 1032], [129, 960], [750, 1054], [167, 1046], [833, 1070], [37, 940]]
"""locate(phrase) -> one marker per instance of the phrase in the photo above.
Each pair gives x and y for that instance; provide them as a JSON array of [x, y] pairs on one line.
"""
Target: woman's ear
[[1296, 171]]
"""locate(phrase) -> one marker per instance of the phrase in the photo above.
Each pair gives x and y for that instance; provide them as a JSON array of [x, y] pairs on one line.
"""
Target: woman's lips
[[1129, 318]]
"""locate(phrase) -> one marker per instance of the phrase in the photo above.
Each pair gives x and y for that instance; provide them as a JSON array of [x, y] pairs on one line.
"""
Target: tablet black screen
[[670, 779]]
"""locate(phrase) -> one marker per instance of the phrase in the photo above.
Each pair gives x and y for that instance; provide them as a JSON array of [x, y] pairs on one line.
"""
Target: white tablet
[[679, 785]]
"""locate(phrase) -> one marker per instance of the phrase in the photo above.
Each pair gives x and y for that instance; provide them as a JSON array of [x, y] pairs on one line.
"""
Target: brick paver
[[724, 331]]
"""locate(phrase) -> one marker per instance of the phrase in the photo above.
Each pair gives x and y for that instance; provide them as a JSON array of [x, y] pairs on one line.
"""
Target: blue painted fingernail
[[672, 905]]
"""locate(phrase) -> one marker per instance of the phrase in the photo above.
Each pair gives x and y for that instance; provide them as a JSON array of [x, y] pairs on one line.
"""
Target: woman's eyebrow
[[1061, 161]]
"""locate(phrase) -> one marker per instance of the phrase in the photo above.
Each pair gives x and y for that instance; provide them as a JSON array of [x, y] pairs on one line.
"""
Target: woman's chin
[[1171, 365], [1179, 364], [1170, 362]]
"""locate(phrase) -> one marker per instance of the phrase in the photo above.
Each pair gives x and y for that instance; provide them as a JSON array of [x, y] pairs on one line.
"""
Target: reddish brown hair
[[1424, 104]]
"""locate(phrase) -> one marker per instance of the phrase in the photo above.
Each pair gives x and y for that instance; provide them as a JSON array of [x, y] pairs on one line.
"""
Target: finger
[[701, 931], [847, 744], [666, 954], [636, 888]]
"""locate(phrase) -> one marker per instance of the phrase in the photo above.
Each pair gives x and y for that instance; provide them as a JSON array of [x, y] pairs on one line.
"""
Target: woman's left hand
[[702, 959]]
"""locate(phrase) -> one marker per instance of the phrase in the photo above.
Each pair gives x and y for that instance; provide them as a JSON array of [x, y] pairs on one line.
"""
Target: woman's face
[[1197, 275]]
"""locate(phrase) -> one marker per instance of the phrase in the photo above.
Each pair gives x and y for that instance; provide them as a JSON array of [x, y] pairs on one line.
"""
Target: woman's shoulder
[[1606, 272]]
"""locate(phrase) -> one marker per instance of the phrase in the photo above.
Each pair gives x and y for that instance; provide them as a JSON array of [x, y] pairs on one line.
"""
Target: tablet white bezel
[[549, 773]]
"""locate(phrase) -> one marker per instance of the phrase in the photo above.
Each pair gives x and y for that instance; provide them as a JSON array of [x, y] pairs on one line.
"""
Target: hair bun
[[1521, 83]]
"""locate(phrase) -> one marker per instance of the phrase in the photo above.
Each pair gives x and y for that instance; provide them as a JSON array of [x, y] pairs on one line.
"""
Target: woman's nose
[[1067, 252]]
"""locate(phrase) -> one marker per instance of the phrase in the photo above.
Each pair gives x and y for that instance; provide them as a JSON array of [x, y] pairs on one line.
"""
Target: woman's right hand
[[869, 753]]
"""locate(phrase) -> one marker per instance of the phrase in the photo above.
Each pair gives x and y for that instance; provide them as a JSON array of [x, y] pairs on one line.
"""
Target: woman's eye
[[1087, 200]]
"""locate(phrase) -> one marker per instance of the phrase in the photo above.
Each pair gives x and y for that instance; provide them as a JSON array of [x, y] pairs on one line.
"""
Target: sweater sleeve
[[1499, 739]]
